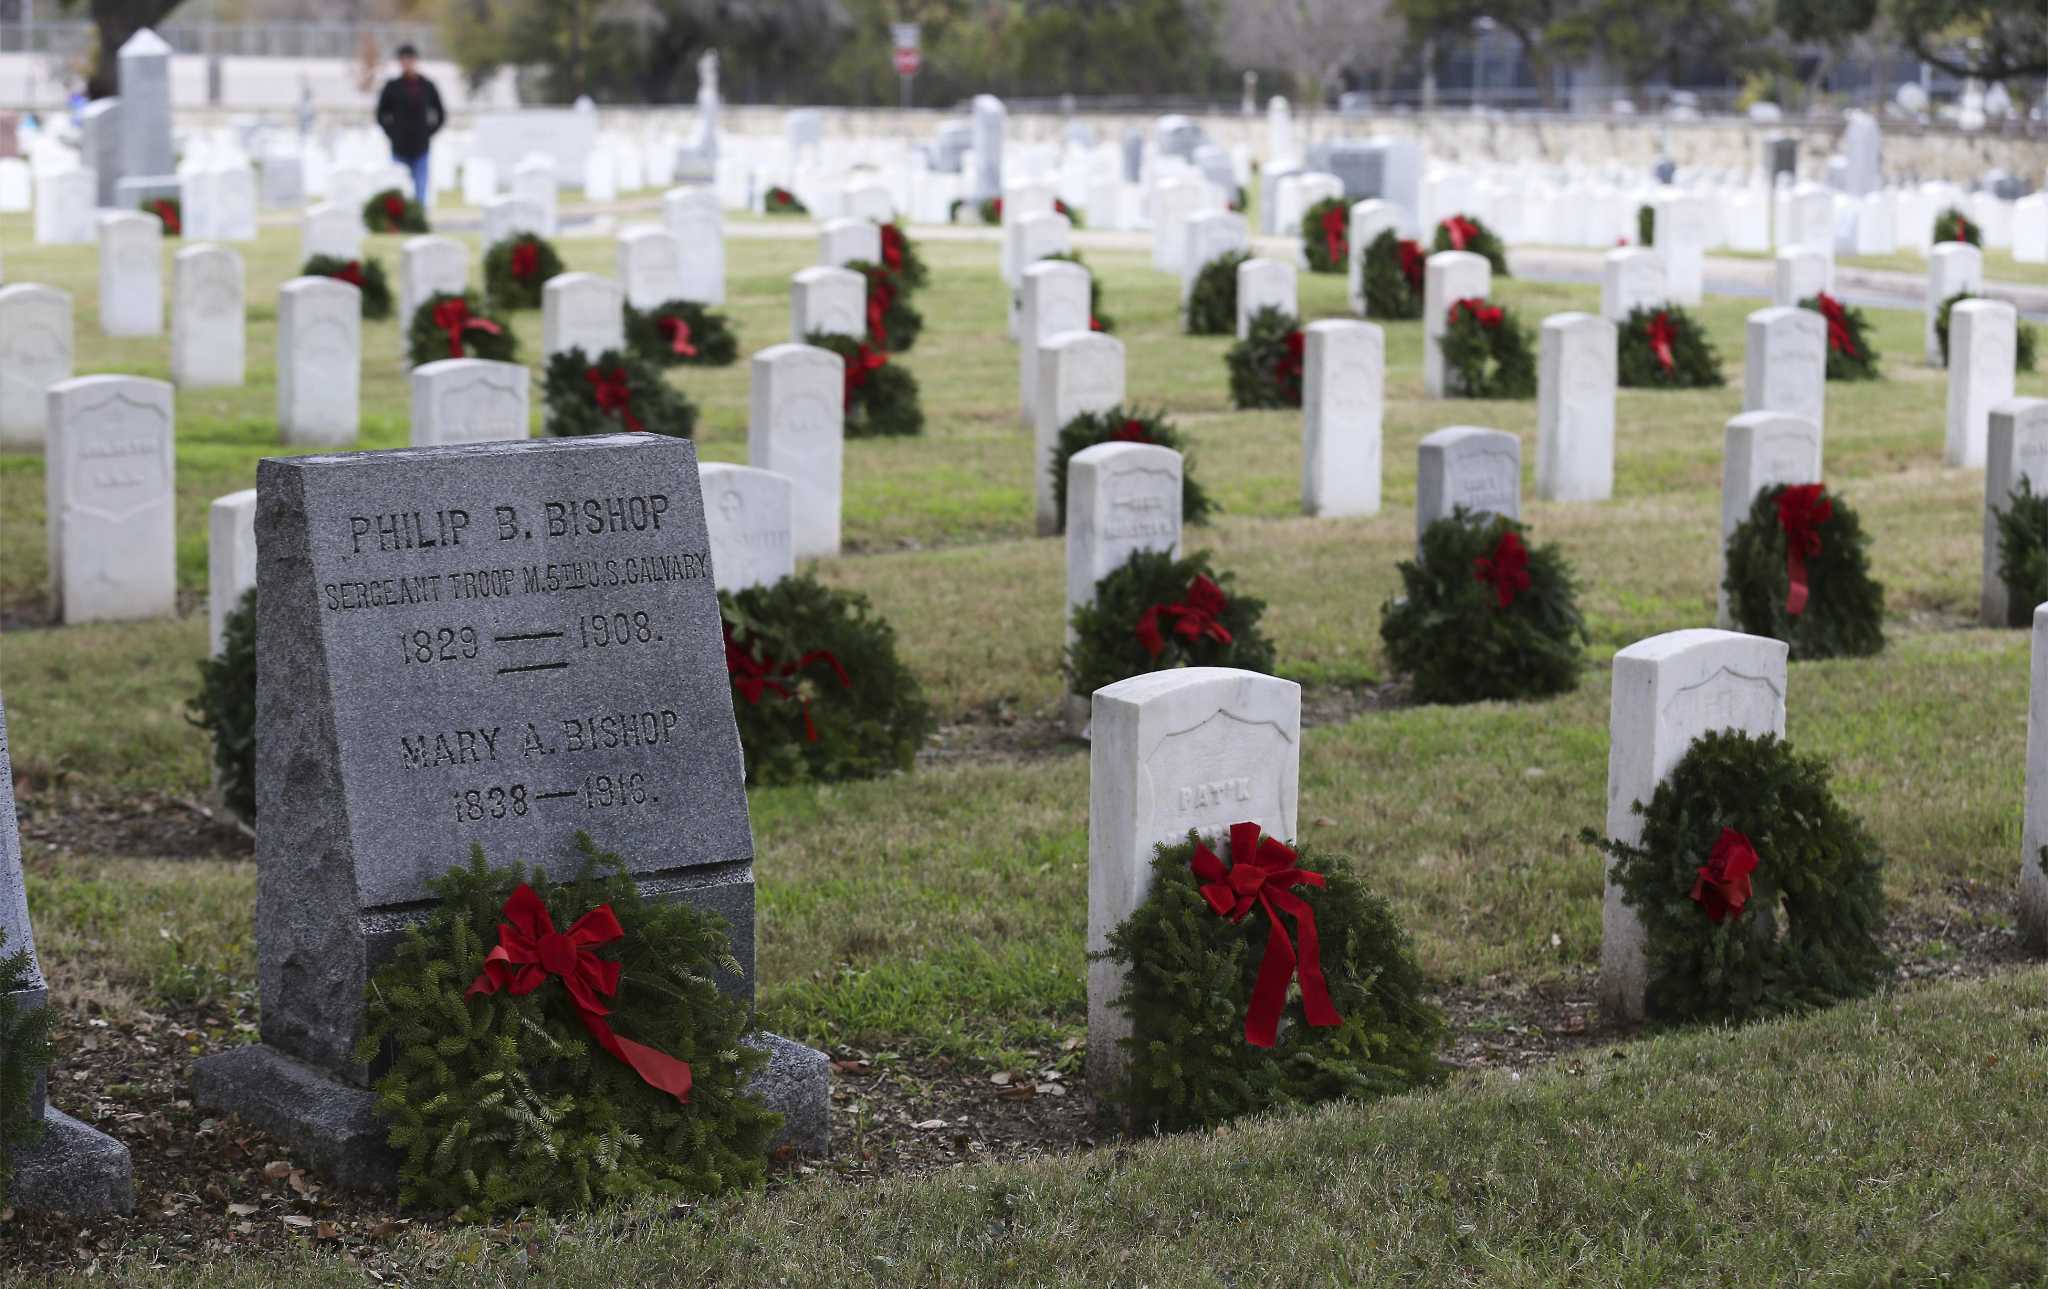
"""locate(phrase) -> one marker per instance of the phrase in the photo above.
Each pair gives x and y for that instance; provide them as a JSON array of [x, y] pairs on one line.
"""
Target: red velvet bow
[[778, 197], [614, 395], [678, 333], [753, 677], [1412, 262], [1802, 509], [1486, 315], [880, 296], [1260, 873], [1460, 230], [530, 950], [1506, 570], [1132, 431], [351, 273], [1194, 617], [998, 207], [1662, 333], [1287, 371], [168, 213], [863, 362], [1840, 339], [1723, 885], [892, 248], [1094, 323], [525, 259], [394, 207], [452, 317], [1335, 241]]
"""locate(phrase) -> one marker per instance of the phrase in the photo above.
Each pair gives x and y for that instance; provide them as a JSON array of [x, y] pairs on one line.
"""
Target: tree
[[1990, 40], [1645, 39], [115, 21], [1313, 41]]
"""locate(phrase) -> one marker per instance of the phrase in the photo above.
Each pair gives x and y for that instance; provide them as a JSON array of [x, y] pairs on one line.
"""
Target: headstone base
[[336, 1130], [75, 1169]]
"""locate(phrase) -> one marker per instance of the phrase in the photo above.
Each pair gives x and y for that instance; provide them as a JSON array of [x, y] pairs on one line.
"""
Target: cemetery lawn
[[932, 924]]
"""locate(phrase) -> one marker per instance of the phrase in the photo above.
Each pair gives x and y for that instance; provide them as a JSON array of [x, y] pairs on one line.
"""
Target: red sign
[[908, 61]]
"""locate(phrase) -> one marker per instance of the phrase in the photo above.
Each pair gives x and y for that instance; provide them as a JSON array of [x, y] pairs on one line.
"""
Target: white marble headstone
[[841, 241], [1122, 498], [830, 300], [1575, 389], [2034, 831], [1785, 364], [319, 361], [1799, 274], [2017, 448], [110, 493], [1631, 277], [650, 265], [330, 229], [429, 265], [131, 274], [1951, 267], [1343, 389], [581, 311], [1053, 298], [208, 305], [1465, 465], [1447, 277], [1368, 220], [469, 400], [230, 559], [1264, 284], [796, 426], [1078, 371], [1211, 235], [35, 353], [66, 207], [749, 515], [1760, 450], [692, 215], [1983, 340]]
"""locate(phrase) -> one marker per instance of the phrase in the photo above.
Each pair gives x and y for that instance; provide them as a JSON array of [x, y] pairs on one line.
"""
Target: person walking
[[409, 110]]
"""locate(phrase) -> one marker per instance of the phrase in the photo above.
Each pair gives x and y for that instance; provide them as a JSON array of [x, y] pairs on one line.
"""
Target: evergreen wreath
[[893, 325], [1122, 424], [1484, 614], [1326, 236], [1470, 233], [170, 211], [1486, 352], [449, 325], [225, 707], [365, 275], [1155, 613], [1212, 300], [516, 268], [819, 690], [1266, 366], [953, 209], [1192, 980], [990, 209], [391, 211], [1393, 273], [881, 397], [1952, 225], [1851, 356], [781, 201], [1646, 225], [1097, 319], [615, 392], [1664, 347], [1799, 571], [681, 332], [2023, 552], [1758, 892], [899, 256], [24, 1055], [2025, 339], [502, 1100]]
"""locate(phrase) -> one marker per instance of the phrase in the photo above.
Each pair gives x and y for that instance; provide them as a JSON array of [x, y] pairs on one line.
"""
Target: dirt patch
[[158, 826]]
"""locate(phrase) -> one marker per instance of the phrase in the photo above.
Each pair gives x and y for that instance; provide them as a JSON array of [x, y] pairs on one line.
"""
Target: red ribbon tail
[[658, 1070], [1269, 993], [1797, 591], [1316, 1006]]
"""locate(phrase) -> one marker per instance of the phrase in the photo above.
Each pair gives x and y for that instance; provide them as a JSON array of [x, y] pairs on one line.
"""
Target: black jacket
[[410, 112]]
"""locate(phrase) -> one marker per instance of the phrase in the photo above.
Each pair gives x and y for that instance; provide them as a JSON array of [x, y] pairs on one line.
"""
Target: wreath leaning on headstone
[[1799, 571], [1120, 424], [2026, 340], [391, 211], [170, 212], [881, 397], [781, 201], [1952, 225], [1155, 613], [1326, 236], [1393, 272], [1486, 352], [1212, 301], [614, 392], [1664, 347], [448, 325], [893, 325], [681, 332], [1210, 957], [1851, 356], [365, 275], [1266, 366], [556, 1045], [1097, 319], [516, 268], [899, 256], [2023, 552], [1484, 614], [819, 690], [225, 707], [1646, 225], [1759, 894], [1470, 233], [24, 1055]]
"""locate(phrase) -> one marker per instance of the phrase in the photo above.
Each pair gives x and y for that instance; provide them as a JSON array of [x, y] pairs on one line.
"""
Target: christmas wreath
[[2023, 552], [515, 270], [1952, 225], [781, 201], [1212, 300], [1646, 225], [391, 211], [818, 688], [366, 276], [617, 391], [1470, 233], [1127, 425], [555, 1045], [1486, 352], [170, 212], [1393, 272], [991, 210], [2025, 340], [225, 707], [1799, 571], [1156, 613], [893, 325], [1663, 347], [1097, 319], [677, 332], [1484, 614], [1326, 236], [881, 397], [1210, 956], [24, 1054], [447, 325], [899, 256], [1759, 894], [1851, 356], [1266, 366]]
